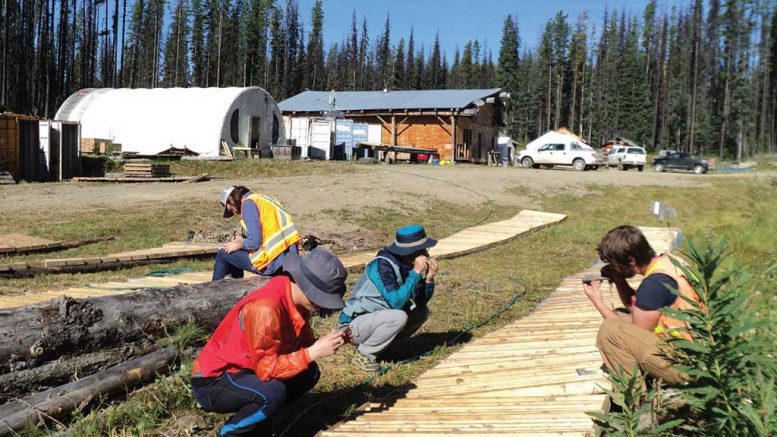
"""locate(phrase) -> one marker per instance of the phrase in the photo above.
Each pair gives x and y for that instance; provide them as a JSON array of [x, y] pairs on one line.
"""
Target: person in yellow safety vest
[[268, 234], [635, 337]]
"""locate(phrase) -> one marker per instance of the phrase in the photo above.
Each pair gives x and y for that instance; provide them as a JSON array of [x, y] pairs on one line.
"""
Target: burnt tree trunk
[[64, 370], [33, 335], [60, 401]]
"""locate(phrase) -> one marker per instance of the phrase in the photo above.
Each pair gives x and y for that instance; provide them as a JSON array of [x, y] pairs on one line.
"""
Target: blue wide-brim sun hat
[[409, 240]]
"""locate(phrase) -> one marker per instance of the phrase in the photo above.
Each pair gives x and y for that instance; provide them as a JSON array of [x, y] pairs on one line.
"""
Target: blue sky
[[460, 20]]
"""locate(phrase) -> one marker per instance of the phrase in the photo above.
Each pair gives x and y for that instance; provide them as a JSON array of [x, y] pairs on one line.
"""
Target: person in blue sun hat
[[389, 301]]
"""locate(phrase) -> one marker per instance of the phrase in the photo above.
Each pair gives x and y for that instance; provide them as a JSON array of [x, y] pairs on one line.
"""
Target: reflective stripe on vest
[[667, 325], [278, 230]]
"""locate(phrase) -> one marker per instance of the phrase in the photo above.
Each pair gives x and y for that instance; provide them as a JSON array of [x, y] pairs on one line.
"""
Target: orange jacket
[[264, 332]]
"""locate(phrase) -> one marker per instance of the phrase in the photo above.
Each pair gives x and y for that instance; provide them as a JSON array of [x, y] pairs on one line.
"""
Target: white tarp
[[151, 121], [553, 137]]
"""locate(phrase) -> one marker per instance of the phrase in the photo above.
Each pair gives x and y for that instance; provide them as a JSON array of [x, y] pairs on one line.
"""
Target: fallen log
[[33, 335], [63, 370], [58, 402]]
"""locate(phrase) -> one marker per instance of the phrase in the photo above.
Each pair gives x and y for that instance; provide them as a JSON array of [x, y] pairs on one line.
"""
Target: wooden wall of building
[[475, 136], [20, 146]]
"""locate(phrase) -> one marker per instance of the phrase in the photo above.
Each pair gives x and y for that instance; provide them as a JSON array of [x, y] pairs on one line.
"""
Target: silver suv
[[626, 157]]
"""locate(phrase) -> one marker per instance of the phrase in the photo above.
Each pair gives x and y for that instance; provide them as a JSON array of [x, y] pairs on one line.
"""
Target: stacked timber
[[5, 176], [146, 170]]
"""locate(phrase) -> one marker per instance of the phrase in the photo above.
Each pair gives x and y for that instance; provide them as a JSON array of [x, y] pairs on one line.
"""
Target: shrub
[[730, 364]]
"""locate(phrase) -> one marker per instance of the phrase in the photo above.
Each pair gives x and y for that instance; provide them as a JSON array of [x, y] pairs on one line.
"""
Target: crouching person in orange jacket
[[263, 353]]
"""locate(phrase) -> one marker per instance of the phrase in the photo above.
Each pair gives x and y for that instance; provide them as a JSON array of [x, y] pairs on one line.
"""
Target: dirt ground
[[370, 186]]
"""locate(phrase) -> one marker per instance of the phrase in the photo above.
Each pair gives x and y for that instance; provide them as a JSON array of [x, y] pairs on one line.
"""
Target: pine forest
[[700, 77]]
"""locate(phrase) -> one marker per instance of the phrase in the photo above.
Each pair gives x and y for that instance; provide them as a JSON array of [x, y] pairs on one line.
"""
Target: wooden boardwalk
[[13, 244], [535, 377], [461, 243], [104, 262]]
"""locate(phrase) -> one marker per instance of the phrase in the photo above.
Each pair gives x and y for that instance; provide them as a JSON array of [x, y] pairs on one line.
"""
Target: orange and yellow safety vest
[[278, 231], [668, 325]]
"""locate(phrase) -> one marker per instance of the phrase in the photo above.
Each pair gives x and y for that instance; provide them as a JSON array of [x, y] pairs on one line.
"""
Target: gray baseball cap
[[223, 199], [320, 275]]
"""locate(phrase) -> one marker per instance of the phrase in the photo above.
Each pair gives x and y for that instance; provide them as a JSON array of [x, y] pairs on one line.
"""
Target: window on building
[[468, 137]]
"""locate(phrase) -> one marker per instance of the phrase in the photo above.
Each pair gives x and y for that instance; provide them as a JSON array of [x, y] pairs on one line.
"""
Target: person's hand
[[327, 345], [233, 245], [420, 263], [591, 289], [347, 336], [432, 271]]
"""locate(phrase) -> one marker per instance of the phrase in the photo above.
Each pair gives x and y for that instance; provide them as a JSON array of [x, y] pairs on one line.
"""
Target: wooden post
[[393, 130], [453, 138]]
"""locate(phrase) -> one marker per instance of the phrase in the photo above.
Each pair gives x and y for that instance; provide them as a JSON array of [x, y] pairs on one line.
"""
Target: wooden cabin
[[461, 125]]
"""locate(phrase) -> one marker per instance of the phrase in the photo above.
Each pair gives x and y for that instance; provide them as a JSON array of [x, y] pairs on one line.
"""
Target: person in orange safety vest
[[635, 338], [269, 234]]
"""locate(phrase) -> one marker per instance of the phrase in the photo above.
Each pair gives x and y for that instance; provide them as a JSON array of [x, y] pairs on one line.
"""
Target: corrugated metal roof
[[317, 101]]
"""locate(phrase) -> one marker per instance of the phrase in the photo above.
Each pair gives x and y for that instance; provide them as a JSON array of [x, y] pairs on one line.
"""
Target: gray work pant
[[374, 332]]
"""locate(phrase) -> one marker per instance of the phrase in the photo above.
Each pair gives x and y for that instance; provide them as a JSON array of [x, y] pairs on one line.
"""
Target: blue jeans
[[251, 399], [237, 262], [233, 264]]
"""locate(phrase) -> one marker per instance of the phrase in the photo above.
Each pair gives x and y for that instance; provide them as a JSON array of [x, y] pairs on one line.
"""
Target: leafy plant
[[632, 411], [729, 363]]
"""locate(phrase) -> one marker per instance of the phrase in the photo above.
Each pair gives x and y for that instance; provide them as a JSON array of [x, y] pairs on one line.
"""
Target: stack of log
[[38, 345], [5, 176], [146, 170]]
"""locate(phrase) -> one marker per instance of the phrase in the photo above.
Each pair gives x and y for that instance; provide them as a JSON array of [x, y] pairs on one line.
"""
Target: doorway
[[256, 126]]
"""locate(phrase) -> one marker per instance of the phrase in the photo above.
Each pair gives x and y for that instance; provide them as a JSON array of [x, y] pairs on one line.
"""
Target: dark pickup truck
[[680, 161]]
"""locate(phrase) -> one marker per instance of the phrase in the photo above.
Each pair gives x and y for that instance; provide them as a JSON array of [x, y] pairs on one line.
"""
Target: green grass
[[473, 287]]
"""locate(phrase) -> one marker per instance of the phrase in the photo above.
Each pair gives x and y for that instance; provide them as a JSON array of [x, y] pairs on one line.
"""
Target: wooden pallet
[[12, 244], [535, 377], [6, 178], [461, 243], [131, 180], [146, 170], [94, 263]]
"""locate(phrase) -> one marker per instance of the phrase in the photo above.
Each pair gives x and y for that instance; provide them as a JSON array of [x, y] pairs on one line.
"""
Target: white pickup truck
[[579, 156], [626, 157]]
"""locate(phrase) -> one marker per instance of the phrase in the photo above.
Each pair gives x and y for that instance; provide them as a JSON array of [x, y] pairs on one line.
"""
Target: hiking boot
[[365, 363]]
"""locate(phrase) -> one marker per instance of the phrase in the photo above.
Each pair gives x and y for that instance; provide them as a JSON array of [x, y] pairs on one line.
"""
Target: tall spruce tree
[[315, 69], [175, 71], [507, 74]]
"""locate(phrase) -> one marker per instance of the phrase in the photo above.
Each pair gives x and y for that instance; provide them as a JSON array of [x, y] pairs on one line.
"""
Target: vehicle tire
[[579, 164], [699, 169], [594, 167], [527, 162], [659, 168], [640, 167]]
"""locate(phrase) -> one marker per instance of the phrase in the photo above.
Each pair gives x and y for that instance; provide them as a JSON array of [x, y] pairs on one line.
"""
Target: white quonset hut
[[153, 121]]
